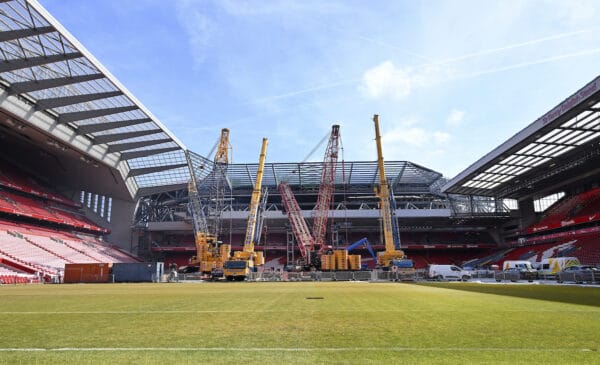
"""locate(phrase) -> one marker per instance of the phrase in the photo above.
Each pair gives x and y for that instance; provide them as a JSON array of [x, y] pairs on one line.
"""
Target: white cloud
[[441, 137], [574, 13], [414, 136], [386, 81], [199, 28], [455, 118]]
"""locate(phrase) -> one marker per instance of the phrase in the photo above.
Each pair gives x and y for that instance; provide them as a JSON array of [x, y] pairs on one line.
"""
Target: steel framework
[[299, 227], [326, 188]]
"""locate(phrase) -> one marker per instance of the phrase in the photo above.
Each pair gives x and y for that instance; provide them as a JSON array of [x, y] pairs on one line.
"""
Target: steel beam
[[97, 127], [35, 85], [44, 104], [153, 169], [94, 113], [146, 153], [10, 35], [106, 138], [19, 63], [131, 145]]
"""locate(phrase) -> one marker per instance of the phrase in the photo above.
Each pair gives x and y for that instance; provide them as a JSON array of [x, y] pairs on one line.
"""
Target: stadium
[[91, 179]]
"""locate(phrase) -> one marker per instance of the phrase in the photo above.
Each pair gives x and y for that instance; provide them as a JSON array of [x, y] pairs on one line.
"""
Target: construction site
[[309, 216], [86, 166]]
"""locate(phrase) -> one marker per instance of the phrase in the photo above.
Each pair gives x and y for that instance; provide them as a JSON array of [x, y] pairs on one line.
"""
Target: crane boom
[[222, 155], [326, 188], [392, 251], [255, 200], [363, 242], [383, 192], [195, 207], [260, 220], [299, 227]]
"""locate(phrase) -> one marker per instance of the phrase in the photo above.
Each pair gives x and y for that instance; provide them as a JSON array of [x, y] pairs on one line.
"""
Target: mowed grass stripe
[[298, 311], [360, 322], [280, 349]]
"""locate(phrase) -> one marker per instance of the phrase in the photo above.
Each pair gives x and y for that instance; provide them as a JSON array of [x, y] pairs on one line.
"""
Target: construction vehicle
[[393, 256], [243, 262], [206, 217], [312, 246], [365, 243], [326, 188]]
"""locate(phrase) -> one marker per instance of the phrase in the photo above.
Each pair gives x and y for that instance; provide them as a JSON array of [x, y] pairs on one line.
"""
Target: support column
[[527, 213]]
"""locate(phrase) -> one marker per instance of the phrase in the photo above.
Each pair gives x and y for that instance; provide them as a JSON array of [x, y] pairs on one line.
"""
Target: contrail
[[380, 43], [304, 91], [509, 47], [450, 60], [531, 63]]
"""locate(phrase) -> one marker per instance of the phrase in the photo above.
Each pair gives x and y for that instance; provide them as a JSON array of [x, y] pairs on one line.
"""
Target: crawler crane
[[392, 255], [206, 217], [243, 262], [313, 245]]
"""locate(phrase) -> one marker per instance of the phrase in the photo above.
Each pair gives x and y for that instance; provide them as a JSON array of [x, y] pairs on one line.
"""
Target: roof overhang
[[571, 127], [49, 81]]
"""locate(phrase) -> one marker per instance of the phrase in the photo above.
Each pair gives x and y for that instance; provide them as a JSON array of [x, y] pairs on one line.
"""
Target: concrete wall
[[120, 224]]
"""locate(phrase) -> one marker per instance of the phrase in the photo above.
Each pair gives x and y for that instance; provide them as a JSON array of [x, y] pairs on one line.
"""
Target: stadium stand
[[124, 156], [32, 207], [46, 250], [13, 178], [572, 210]]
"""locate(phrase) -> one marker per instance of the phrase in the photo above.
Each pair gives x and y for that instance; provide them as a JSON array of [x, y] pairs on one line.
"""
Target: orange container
[[86, 273]]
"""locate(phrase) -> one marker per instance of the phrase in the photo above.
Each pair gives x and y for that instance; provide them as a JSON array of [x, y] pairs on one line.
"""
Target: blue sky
[[451, 80]]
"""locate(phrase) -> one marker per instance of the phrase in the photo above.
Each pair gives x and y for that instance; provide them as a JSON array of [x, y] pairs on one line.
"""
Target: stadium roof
[[403, 176], [50, 81], [561, 139]]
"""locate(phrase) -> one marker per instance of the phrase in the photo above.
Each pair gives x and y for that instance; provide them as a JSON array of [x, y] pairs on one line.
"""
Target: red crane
[[326, 188], [299, 227], [307, 242]]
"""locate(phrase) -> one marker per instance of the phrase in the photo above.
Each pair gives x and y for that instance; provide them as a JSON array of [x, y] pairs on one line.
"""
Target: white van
[[517, 264], [553, 266], [447, 272]]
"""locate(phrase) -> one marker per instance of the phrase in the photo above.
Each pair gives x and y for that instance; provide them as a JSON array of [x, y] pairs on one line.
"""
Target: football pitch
[[299, 323]]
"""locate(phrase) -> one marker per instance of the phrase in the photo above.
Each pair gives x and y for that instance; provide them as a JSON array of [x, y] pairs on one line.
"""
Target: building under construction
[[89, 174]]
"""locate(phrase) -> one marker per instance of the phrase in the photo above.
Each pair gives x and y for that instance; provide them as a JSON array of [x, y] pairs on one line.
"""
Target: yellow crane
[[391, 235], [206, 218], [242, 262]]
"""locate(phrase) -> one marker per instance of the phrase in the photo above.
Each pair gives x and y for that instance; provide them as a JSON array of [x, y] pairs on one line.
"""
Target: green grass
[[264, 323]]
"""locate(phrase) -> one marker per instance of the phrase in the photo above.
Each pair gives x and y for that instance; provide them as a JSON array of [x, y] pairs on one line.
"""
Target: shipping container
[[137, 272], [86, 273]]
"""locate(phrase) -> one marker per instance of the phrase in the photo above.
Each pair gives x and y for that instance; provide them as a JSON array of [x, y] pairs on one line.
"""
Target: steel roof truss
[[36, 85], [548, 135], [589, 138], [44, 104], [10, 35], [582, 122], [145, 153], [106, 138], [17, 64], [97, 127], [153, 169], [94, 113], [132, 145], [556, 137]]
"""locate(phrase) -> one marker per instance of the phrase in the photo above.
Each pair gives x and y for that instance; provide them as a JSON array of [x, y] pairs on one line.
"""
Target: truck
[[552, 266], [447, 272], [515, 270]]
